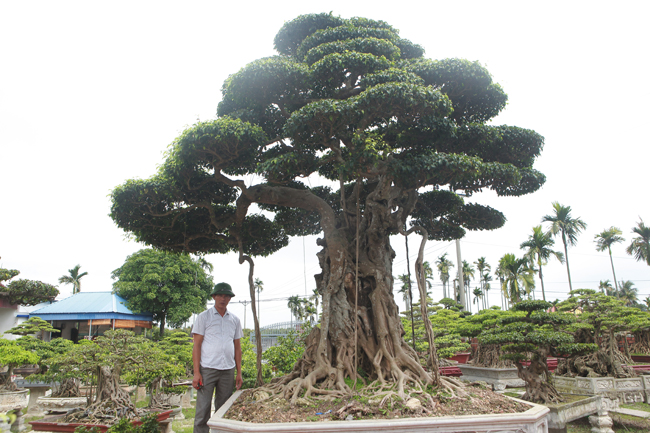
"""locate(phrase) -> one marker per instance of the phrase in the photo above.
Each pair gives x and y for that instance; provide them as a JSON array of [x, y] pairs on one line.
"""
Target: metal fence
[[271, 333]]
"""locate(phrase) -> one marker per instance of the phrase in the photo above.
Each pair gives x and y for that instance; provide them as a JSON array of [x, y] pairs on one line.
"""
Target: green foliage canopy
[[25, 292], [346, 99], [171, 286]]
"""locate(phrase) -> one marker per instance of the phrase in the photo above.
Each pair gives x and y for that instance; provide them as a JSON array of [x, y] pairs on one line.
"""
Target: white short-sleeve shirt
[[219, 333]]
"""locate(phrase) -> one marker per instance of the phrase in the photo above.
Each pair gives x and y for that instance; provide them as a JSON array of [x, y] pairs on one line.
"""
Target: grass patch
[[189, 412], [637, 406]]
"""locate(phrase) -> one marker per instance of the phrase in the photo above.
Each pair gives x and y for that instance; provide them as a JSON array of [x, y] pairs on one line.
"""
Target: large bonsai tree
[[599, 319], [527, 337], [402, 139]]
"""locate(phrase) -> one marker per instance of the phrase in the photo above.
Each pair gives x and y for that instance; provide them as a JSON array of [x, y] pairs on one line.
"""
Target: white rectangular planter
[[532, 421], [500, 378]]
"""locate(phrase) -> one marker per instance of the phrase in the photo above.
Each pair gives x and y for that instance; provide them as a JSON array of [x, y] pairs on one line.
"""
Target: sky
[[91, 94]]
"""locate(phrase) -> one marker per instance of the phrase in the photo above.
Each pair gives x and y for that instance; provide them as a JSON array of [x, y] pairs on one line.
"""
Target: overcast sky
[[91, 94]]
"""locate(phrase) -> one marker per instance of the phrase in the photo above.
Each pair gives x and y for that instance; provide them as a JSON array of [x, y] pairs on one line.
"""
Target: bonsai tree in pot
[[598, 320], [527, 338], [485, 354], [103, 363], [13, 355], [402, 139]]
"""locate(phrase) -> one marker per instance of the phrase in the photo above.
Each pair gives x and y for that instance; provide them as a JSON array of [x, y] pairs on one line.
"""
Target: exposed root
[[598, 364]]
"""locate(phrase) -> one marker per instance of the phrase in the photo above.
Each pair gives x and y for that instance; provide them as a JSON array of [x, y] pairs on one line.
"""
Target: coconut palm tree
[[640, 246], [604, 241], [628, 292], [518, 278], [539, 250], [568, 227], [444, 265], [73, 278], [483, 268]]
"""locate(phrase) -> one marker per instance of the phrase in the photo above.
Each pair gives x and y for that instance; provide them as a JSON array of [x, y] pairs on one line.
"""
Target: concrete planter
[[500, 378], [14, 400], [532, 421], [563, 413], [60, 405], [627, 390]]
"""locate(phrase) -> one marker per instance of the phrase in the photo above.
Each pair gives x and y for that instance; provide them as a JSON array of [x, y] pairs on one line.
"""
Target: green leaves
[[171, 286]]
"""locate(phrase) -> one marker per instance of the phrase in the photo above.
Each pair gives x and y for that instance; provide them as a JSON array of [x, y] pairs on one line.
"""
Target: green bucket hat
[[222, 289]]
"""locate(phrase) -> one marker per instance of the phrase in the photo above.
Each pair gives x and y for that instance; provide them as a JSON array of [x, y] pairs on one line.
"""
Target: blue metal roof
[[89, 306]]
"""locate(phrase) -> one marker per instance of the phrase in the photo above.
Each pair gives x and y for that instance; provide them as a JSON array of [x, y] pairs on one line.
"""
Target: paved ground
[[632, 412]]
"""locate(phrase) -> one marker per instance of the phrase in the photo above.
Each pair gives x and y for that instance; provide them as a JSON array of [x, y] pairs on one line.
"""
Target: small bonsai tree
[[599, 318], [528, 338], [32, 326], [446, 325], [48, 351], [103, 362], [12, 356], [483, 354]]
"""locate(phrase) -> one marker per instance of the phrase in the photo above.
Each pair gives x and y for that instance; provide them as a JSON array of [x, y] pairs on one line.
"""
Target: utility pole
[[245, 302], [461, 282]]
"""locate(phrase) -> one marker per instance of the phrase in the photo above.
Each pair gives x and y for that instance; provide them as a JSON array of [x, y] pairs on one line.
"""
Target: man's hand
[[197, 381], [239, 381]]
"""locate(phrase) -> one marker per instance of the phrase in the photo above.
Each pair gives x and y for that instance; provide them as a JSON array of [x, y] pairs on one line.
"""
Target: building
[[90, 314]]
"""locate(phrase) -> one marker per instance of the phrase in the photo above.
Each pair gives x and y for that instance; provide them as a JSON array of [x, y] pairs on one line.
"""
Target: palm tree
[[518, 278], [205, 265], [604, 241], [539, 249], [478, 294], [501, 275], [486, 288], [640, 246], [74, 278], [444, 265], [606, 287], [309, 310], [315, 298], [428, 276], [407, 294], [483, 268], [563, 223], [295, 306], [468, 274], [628, 292], [259, 286]]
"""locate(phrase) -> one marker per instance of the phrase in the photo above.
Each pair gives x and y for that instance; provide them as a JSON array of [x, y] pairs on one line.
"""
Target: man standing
[[216, 353]]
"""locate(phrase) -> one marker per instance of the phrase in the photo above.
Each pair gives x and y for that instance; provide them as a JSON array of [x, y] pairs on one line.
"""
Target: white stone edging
[[531, 421]]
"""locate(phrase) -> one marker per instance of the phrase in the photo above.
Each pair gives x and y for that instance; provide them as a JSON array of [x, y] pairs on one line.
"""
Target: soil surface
[[479, 401]]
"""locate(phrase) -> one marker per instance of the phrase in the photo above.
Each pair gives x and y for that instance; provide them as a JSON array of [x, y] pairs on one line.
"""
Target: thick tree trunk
[[538, 388], [383, 355], [110, 398]]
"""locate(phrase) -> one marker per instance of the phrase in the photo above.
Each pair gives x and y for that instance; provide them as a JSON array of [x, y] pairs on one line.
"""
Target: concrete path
[[632, 412]]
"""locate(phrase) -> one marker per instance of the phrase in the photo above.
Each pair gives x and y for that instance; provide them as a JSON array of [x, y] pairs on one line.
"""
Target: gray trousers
[[221, 381]]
